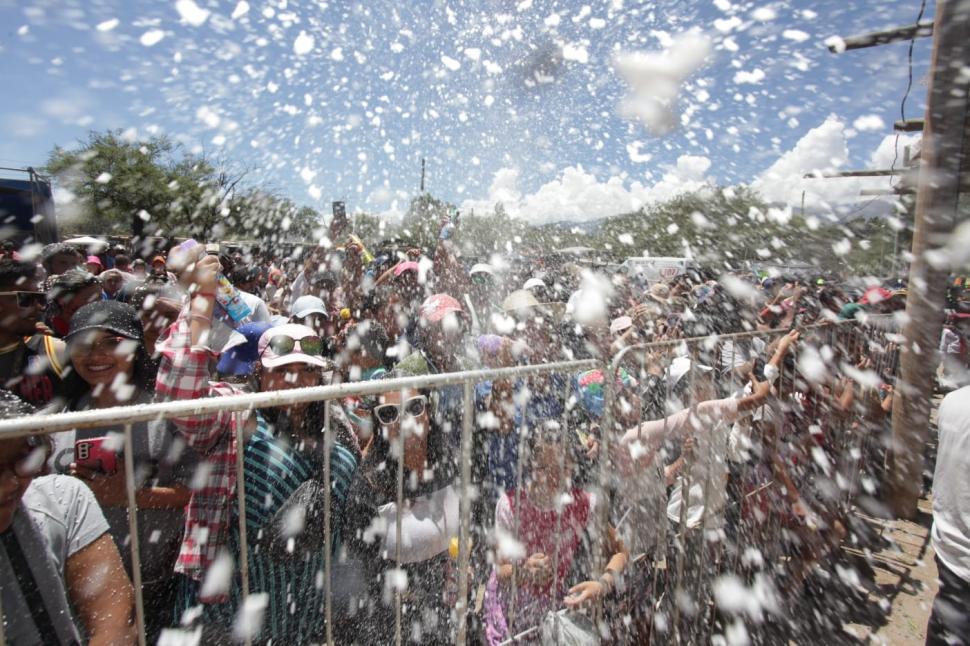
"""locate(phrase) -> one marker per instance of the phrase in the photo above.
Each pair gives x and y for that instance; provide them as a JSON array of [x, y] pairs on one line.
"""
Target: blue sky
[[383, 84]]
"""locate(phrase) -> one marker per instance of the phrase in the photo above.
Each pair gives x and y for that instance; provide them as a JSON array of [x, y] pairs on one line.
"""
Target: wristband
[[771, 373], [204, 294]]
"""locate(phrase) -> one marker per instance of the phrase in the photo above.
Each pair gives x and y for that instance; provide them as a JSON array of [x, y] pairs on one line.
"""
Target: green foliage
[[422, 222], [120, 184], [153, 187], [723, 228], [115, 180]]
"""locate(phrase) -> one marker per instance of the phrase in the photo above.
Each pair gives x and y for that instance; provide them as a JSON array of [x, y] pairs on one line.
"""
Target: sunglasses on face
[[387, 414], [26, 300], [309, 345], [481, 279]]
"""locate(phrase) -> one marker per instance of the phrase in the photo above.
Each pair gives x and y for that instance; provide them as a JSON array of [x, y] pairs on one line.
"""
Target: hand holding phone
[[96, 454]]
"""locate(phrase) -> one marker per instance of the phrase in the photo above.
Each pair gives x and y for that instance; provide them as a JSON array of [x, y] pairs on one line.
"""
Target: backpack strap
[[31, 591]]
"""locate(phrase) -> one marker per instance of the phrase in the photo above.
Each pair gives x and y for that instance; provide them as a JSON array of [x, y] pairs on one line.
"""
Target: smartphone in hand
[[96, 454]]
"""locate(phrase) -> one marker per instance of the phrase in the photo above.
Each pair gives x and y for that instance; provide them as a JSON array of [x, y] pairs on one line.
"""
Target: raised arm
[[761, 390], [184, 369]]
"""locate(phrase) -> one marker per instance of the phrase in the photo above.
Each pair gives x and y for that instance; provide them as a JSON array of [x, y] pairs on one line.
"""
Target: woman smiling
[[111, 367]]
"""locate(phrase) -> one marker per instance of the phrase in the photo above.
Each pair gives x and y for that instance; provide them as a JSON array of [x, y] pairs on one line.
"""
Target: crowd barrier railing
[[848, 335]]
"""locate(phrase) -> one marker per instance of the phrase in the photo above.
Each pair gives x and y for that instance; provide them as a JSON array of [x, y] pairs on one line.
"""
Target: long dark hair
[[143, 373]]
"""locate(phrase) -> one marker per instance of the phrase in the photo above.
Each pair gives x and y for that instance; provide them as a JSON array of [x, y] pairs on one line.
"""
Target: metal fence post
[[464, 533], [133, 531], [398, 611], [240, 422], [327, 523], [610, 369]]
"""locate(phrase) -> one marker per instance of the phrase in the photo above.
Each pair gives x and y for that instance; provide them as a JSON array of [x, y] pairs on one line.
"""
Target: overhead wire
[[902, 113]]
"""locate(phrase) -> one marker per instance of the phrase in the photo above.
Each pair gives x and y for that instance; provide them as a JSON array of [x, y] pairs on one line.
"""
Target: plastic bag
[[569, 628]]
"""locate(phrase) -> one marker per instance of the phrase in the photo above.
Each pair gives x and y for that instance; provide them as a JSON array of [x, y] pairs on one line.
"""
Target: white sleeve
[[82, 513], [721, 410]]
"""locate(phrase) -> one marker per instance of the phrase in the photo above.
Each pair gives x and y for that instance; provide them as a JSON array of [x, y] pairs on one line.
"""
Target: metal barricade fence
[[846, 335]]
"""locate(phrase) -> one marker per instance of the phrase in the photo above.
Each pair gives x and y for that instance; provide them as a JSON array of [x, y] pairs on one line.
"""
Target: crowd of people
[[732, 456]]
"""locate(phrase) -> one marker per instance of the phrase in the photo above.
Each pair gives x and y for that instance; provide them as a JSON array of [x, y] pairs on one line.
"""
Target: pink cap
[[437, 306], [93, 260], [402, 267], [270, 359]]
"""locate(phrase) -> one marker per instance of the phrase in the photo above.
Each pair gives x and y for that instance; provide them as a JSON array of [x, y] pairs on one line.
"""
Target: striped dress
[[295, 595]]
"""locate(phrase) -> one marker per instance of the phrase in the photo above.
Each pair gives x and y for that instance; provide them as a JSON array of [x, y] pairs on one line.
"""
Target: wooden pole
[[909, 32], [937, 198]]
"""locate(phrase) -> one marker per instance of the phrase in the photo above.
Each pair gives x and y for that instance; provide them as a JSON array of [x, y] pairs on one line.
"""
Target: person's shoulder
[[56, 495], [956, 403]]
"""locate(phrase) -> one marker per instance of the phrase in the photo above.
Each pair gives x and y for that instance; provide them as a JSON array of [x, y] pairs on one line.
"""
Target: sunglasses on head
[[389, 413], [309, 345], [27, 299]]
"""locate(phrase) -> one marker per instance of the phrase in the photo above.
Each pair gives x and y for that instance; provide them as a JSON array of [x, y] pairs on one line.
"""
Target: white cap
[[482, 268], [620, 324], [533, 282], [307, 305], [680, 366]]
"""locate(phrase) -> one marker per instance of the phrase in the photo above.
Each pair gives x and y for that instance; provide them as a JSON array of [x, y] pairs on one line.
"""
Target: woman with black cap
[[111, 367]]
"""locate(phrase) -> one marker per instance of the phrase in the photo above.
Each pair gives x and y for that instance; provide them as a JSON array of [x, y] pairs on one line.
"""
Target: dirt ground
[[906, 569], [906, 579]]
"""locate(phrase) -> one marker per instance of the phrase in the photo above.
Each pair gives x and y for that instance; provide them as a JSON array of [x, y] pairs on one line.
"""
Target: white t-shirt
[[427, 526], [951, 484], [708, 472], [297, 289], [65, 515]]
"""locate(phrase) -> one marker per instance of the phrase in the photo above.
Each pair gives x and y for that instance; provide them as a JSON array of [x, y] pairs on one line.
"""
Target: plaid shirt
[[184, 374]]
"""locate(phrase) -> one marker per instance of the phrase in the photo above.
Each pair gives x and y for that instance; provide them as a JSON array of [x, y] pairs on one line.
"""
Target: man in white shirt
[[950, 620]]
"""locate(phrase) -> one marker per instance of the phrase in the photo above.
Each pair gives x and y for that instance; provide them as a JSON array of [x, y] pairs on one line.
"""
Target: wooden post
[[944, 153]]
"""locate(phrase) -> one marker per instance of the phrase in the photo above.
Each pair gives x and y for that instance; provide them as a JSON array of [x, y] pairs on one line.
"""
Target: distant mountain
[[874, 208], [589, 226]]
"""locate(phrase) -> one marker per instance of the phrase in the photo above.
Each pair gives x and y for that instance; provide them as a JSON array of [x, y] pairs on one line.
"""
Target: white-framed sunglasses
[[387, 414]]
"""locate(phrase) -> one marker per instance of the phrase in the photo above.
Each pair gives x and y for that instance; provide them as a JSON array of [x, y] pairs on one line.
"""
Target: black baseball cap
[[113, 316]]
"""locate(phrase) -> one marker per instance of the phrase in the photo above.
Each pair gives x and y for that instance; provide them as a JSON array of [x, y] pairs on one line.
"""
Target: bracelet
[[204, 294], [201, 317]]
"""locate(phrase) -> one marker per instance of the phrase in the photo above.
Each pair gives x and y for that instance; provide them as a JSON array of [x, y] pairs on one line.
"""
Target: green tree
[[421, 223], [153, 187], [119, 185]]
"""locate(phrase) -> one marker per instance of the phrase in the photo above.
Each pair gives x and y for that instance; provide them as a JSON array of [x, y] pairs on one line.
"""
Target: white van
[[654, 268]]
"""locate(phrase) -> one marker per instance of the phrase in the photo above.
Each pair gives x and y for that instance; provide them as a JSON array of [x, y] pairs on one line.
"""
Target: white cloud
[[869, 122], [577, 195], [824, 149]]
